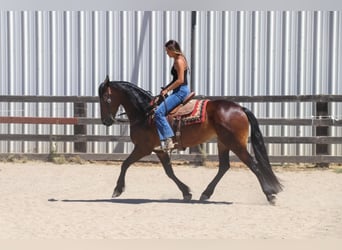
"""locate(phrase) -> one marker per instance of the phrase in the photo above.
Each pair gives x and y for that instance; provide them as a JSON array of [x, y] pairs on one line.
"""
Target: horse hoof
[[204, 197], [116, 194], [271, 199], [187, 197]]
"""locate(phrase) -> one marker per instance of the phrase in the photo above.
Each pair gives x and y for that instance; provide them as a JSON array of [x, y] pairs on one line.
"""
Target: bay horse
[[227, 121]]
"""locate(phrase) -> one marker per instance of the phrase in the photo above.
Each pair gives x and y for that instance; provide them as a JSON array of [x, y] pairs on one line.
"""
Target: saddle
[[190, 111], [182, 108]]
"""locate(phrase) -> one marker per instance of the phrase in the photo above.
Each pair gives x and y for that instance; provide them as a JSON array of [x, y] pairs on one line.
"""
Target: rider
[[180, 90]]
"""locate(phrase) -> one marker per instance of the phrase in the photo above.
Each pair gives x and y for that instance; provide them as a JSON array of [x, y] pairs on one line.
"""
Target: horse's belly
[[196, 134]]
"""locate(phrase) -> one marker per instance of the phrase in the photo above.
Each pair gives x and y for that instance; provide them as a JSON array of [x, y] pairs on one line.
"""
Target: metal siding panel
[[99, 48], [320, 53], [202, 84], [306, 79], [237, 53], [196, 67], [336, 69], [29, 74], [4, 70], [273, 75], [334, 51], [15, 74], [232, 53], [339, 52], [212, 66], [225, 56], [45, 62]]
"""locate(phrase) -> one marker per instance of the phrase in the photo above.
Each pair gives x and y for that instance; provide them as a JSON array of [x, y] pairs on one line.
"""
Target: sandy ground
[[47, 201]]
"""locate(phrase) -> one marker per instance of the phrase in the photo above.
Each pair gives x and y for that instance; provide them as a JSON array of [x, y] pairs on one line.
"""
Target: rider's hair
[[174, 47]]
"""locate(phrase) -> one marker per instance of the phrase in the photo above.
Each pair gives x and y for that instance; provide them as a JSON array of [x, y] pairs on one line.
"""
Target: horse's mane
[[139, 97]]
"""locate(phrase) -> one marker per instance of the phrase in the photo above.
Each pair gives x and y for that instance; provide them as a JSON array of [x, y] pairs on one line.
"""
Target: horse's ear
[[106, 84], [106, 81]]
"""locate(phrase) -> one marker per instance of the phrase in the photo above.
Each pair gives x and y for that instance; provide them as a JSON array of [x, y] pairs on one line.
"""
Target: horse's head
[[134, 100], [109, 102]]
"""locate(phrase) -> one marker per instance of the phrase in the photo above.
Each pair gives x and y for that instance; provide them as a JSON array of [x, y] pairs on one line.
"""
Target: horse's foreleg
[[223, 168], [137, 154], [165, 160]]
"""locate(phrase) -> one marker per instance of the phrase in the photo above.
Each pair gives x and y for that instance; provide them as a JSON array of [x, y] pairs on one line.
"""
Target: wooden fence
[[321, 123]]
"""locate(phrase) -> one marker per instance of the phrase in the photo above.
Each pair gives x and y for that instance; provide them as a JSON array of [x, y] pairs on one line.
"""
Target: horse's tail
[[260, 153]]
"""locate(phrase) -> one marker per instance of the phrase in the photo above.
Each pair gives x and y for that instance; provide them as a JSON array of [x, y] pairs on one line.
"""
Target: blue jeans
[[164, 129]]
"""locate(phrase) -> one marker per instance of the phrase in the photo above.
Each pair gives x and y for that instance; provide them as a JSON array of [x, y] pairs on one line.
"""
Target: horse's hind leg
[[223, 168], [165, 160], [246, 158]]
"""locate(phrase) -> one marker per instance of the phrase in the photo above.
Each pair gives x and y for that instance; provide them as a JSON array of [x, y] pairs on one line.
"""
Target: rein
[[157, 100], [121, 114]]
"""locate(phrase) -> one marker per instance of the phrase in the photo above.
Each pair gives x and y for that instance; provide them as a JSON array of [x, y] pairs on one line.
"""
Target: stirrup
[[165, 145], [158, 148], [169, 145]]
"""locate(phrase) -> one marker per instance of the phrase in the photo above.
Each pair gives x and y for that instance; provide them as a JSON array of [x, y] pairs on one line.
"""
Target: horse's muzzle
[[108, 121]]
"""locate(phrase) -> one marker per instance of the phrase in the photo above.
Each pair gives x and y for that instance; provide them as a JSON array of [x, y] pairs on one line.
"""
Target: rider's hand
[[164, 92]]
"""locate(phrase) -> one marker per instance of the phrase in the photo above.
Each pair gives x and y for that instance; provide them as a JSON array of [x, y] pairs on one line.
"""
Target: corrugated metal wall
[[235, 53]]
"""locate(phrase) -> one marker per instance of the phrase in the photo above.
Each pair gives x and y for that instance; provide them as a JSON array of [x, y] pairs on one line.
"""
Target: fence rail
[[322, 119]]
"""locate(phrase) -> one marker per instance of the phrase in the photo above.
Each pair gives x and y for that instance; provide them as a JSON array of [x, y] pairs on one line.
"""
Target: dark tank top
[[175, 77]]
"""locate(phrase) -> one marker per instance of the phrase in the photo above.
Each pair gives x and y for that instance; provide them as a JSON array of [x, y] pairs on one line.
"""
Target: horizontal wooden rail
[[121, 138], [282, 98], [183, 157], [48, 99], [64, 138], [55, 120], [252, 99], [320, 124], [38, 120], [315, 121]]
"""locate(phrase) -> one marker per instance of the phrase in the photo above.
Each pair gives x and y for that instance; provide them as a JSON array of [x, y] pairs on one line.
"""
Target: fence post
[[322, 112], [199, 149], [80, 110]]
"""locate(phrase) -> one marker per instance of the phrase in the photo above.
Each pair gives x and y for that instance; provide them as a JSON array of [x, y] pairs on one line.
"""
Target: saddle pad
[[196, 115]]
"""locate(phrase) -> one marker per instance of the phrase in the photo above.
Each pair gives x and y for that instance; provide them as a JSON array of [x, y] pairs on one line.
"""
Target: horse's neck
[[132, 112]]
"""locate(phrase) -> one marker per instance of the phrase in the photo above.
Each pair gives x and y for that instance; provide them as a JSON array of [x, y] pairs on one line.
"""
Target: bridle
[[106, 96], [108, 100], [156, 101]]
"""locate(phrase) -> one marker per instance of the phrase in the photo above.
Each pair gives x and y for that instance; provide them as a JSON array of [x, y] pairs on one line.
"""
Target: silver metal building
[[67, 53]]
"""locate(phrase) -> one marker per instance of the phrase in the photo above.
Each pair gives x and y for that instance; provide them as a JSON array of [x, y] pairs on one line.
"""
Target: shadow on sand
[[142, 201]]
